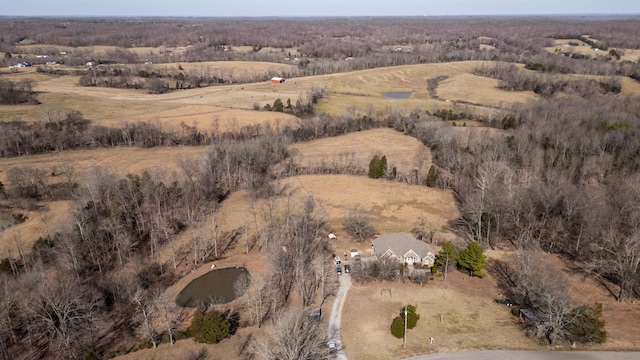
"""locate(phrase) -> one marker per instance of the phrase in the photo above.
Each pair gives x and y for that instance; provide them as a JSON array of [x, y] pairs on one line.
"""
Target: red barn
[[278, 80]]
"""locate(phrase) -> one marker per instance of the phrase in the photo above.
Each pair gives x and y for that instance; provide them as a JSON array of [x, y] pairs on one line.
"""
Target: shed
[[278, 80], [314, 313]]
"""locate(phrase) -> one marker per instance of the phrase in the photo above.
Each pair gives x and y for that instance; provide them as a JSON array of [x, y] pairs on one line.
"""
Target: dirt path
[[336, 315]]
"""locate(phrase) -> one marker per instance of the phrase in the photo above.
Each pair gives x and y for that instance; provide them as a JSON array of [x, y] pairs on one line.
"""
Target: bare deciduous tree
[[297, 337]]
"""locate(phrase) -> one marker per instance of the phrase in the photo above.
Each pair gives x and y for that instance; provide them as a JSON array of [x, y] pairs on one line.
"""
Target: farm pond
[[218, 286], [397, 95]]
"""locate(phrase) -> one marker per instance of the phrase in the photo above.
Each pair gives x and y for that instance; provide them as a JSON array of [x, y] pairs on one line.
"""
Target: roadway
[[531, 355]]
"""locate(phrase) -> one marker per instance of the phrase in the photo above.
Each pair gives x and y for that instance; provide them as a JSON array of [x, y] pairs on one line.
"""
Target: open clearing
[[470, 318], [363, 90], [392, 206], [360, 90], [358, 148], [50, 218], [120, 161]]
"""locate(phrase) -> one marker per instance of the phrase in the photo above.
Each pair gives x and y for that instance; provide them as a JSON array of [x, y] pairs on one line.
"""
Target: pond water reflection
[[217, 285]]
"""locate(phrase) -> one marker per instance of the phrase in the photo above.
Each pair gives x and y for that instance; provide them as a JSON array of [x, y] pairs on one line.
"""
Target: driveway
[[531, 355], [336, 314]]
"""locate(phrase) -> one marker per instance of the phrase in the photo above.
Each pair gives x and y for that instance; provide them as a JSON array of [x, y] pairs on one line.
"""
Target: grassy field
[[363, 90], [47, 220], [360, 91], [357, 149], [470, 318], [120, 161], [392, 206]]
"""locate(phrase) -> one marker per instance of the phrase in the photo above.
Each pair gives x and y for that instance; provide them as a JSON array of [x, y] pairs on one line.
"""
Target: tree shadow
[[504, 275]]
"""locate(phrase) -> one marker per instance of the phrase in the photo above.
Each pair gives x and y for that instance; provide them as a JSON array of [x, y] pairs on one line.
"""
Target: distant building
[[278, 80]]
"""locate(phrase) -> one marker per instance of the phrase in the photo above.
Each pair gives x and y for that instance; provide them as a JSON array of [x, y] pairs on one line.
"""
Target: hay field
[[358, 148], [363, 90], [220, 108], [392, 206], [120, 161]]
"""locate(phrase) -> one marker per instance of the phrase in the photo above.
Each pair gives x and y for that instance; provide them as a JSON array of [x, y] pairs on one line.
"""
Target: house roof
[[400, 244]]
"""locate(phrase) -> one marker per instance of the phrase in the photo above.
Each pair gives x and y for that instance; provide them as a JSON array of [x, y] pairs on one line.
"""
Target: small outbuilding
[[278, 80]]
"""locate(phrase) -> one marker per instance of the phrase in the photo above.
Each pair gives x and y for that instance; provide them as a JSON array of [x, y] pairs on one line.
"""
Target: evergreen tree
[[472, 259], [397, 327], [447, 252], [278, 105], [412, 316], [377, 167], [432, 176], [587, 325], [209, 328]]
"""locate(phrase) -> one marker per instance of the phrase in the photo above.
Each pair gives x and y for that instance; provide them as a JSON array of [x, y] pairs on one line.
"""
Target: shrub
[[397, 327], [209, 328], [587, 325], [377, 167]]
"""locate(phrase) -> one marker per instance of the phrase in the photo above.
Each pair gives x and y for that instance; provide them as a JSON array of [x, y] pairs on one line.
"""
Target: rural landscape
[[318, 188]]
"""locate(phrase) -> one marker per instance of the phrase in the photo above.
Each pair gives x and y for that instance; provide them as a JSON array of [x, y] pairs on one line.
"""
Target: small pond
[[216, 284], [397, 95]]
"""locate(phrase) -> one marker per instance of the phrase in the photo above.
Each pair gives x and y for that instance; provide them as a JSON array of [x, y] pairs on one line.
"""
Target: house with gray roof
[[403, 248]]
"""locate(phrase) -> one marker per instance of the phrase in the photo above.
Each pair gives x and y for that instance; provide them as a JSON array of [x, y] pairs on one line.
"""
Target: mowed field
[[357, 149], [364, 90], [360, 90]]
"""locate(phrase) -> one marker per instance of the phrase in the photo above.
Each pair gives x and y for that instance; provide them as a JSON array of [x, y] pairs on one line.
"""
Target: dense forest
[[562, 176]]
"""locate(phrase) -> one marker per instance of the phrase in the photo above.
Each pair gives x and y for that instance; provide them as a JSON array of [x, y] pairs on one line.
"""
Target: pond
[[216, 285], [397, 95]]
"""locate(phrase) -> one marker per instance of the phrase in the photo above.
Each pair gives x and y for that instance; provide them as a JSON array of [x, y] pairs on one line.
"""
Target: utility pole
[[446, 267], [404, 340]]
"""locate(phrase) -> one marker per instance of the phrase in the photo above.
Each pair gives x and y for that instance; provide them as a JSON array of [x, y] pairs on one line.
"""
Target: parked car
[[337, 260], [507, 302], [347, 268], [357, 259], [339, 270], [332, 347]]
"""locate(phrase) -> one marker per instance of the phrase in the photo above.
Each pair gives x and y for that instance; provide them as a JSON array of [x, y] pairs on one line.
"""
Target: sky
[[269, 8]]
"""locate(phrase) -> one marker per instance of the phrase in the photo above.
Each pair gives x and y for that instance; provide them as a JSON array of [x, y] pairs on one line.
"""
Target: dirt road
[[336, 314]]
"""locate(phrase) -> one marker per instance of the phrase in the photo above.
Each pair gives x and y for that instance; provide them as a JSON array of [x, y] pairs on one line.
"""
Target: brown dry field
[[120, 161], [358, 148], [363, 90], [359, 90], [218, 108], [392, 206], [47, 220], [470, 317]]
